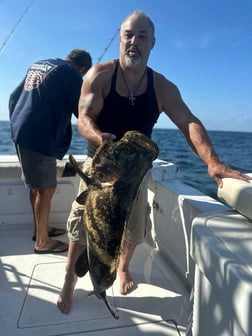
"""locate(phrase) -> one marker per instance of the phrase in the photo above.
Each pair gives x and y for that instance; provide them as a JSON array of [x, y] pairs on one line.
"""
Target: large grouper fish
[[117, 170]]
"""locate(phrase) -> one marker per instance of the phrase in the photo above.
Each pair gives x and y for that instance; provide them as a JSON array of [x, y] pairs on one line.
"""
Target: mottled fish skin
[[82, 267], [116, 173]]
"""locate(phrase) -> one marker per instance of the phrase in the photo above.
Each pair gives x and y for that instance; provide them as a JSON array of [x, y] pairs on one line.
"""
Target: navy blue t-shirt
[[42, 106]]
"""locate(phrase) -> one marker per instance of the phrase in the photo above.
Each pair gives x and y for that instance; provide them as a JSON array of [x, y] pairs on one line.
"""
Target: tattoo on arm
[[85, 105]]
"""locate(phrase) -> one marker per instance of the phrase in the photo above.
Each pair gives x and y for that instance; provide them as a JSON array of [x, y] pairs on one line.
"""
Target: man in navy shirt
[[41, 108]]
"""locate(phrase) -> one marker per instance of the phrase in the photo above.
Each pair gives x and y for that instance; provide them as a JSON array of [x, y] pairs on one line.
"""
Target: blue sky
[[203, 46]]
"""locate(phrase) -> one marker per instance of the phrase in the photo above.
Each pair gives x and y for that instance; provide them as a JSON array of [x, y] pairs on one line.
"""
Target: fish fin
[[81, 266], [82, 197], [88, 180], [78, 170]]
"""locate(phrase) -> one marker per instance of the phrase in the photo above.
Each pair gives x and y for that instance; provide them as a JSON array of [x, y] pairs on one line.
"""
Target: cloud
[[200, 42]]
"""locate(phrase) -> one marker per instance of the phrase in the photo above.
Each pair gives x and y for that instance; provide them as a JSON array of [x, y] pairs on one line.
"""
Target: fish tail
[[112, 309], [102, 296]]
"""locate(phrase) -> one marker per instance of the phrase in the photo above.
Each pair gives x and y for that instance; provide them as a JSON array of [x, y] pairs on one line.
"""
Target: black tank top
[[119, 116]]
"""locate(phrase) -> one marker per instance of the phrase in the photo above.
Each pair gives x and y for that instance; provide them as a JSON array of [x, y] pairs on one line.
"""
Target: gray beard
[[130, 62]]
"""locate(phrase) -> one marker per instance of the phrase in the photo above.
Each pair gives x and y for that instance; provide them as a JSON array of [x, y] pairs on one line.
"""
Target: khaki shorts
[[137, 225]]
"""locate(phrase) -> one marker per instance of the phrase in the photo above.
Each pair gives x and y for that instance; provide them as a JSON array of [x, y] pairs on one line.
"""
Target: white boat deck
[[195, 241], [30, 285]]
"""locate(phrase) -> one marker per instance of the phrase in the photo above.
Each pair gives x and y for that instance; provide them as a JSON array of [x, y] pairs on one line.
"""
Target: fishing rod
[[15, 26], [109, 44], [22, 16]]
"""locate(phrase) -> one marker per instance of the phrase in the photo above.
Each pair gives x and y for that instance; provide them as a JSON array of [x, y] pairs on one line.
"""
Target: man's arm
[[91, 101], [194, 132], [15, 96]]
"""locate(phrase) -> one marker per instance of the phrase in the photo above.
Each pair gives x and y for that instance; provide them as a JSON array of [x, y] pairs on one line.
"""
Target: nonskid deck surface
[[30, 285]]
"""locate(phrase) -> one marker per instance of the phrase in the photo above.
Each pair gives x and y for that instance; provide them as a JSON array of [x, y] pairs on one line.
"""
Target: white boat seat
[[238, 195]]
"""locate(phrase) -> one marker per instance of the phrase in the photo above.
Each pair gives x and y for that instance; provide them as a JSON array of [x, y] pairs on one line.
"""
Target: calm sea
[[233, 148]]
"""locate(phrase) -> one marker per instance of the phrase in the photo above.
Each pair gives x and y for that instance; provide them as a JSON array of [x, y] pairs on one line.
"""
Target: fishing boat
[[193, 273]]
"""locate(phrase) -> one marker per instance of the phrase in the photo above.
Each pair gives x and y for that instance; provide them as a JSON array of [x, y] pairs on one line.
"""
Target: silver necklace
[[132, 94]]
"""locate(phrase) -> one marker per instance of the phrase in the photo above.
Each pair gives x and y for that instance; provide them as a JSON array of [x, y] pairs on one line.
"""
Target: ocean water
[[233, 148]]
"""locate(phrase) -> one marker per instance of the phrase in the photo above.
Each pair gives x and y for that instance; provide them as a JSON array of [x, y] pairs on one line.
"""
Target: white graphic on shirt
[[36, 74]]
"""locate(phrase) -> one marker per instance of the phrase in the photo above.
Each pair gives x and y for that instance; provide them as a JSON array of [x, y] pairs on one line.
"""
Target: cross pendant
[[132, 98]]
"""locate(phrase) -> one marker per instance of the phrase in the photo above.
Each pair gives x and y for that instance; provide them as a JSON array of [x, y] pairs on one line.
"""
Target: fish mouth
[[142, 141]]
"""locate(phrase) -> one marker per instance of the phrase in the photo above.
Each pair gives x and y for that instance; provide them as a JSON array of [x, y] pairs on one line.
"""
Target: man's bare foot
[[126, 283], [65, 298]]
